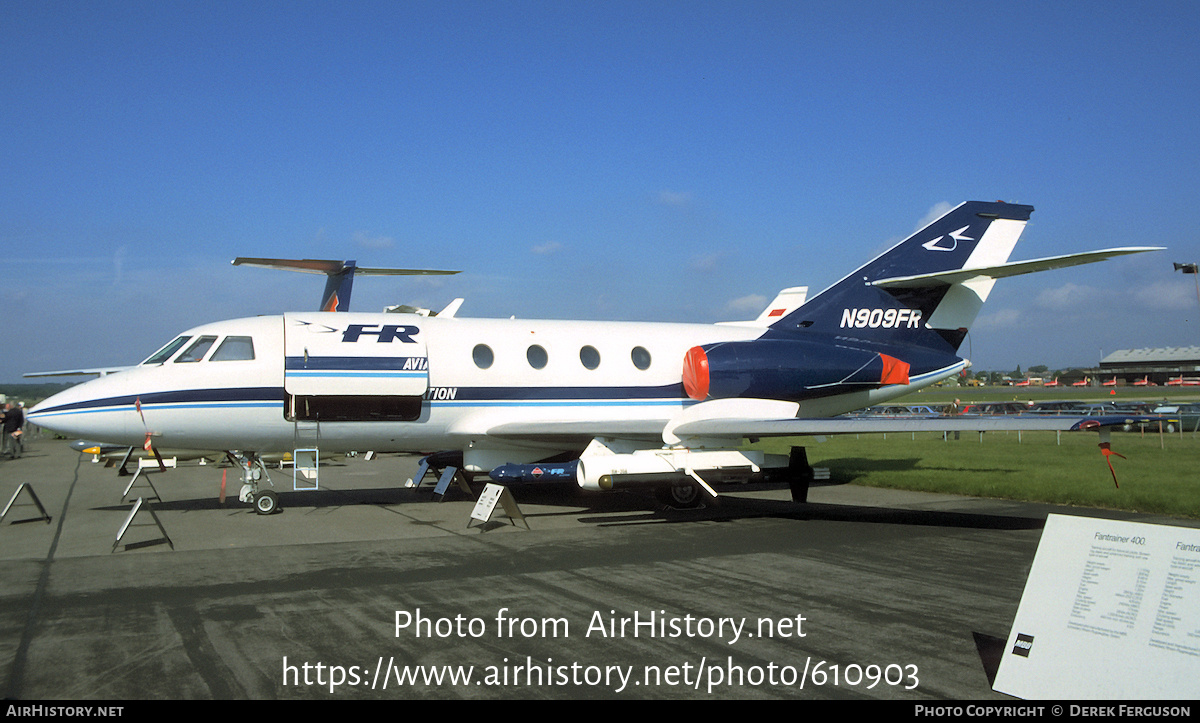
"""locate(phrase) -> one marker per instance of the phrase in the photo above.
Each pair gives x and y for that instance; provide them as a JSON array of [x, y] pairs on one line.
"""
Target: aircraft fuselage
[[405, 383]]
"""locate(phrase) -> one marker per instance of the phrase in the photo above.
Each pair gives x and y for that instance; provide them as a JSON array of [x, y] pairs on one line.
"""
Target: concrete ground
[[364, 590]]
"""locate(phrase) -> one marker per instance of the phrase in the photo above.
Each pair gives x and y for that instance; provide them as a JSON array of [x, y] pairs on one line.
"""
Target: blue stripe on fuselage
[[267, 397], [343, 363], [239, 396]]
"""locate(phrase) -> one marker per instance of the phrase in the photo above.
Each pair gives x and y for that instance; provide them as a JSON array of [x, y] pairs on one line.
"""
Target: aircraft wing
[[749, 426], [579, 432], [101, 371], [875, 425]]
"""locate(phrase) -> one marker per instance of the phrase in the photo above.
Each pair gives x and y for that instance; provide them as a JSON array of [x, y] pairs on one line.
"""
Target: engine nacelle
[[783, 369]]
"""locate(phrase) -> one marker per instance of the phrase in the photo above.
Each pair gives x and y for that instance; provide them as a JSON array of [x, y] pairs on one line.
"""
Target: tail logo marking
[[955, 237], [881, 318]]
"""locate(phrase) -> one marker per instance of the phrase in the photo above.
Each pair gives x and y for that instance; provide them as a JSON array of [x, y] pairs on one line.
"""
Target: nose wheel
[[266, 502]]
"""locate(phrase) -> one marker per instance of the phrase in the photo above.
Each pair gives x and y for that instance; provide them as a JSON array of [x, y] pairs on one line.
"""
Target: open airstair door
[[348, 367]]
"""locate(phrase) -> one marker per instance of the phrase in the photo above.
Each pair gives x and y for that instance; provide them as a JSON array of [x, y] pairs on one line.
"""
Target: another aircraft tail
[[338, 284], [340, 275]]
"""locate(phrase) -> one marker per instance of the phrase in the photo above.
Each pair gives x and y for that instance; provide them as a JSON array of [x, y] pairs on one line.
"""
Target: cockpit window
[[165, 353], [234, 348], [197, 350]]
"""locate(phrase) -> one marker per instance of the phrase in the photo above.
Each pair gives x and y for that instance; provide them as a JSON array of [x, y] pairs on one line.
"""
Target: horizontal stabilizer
[[330, 267], [339, 275], [1016, 268]]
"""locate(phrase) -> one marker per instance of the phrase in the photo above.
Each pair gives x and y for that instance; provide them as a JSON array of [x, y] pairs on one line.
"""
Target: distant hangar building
[[1162, 366]]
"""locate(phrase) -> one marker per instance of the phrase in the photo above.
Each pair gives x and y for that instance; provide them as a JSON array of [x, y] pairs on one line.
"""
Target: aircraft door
[[353, 367]]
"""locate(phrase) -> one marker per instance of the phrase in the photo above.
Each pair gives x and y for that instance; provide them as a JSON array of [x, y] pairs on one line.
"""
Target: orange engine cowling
[[784, 369]]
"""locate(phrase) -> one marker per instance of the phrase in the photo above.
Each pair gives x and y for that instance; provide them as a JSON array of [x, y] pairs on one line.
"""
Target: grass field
[[1160, 475]]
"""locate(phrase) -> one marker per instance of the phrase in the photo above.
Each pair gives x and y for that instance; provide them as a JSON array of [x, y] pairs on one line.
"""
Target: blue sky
[[646, 160]]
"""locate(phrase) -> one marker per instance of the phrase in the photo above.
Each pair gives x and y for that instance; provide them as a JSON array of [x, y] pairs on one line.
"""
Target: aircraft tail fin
[[927, 290], [933, 308]]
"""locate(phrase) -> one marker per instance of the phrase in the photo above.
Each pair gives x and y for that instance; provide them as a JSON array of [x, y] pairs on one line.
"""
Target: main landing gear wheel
[[266, 502], [681, 495]]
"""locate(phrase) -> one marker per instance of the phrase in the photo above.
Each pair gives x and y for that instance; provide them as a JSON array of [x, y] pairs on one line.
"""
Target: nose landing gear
[[253, 472]]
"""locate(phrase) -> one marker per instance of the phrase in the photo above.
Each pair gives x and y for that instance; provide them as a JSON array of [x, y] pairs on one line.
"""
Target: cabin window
[[197, 350], [234, 348], [589, 357], [537, 357], [483, 356], [165, 353], [354, 408], [641, 357]]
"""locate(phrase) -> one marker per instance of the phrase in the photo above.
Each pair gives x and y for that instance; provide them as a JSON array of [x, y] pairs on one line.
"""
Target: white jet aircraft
[[605, 404]]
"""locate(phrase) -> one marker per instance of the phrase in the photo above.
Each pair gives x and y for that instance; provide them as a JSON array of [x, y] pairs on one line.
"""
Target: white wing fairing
[[624, 404]]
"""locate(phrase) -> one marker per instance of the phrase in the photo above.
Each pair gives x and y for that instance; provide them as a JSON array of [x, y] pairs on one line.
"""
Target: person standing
[[14, 419]]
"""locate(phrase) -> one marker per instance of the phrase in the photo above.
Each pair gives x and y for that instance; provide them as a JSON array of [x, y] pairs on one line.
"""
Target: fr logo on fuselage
[[383, 333]]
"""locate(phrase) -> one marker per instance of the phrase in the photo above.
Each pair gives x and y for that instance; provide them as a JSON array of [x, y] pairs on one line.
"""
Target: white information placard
[[487, 502], [1111, 611]]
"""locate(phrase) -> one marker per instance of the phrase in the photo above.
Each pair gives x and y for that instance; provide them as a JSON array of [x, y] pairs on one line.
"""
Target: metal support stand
[[146, 467], [137, 506], [450, 474], [419, 475], [25, 486], [121, 471], [446, 474]]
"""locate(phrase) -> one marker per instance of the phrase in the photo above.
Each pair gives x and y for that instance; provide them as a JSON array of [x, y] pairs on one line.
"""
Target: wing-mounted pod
[[785, 369]]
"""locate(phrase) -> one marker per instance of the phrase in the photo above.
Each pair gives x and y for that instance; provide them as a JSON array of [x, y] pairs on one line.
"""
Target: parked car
[[995, 408], [1069, 406], [1180, 416], [899, 410]]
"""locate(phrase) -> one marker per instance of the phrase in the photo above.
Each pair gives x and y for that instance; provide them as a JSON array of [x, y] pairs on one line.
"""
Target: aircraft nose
[[81, 411]]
